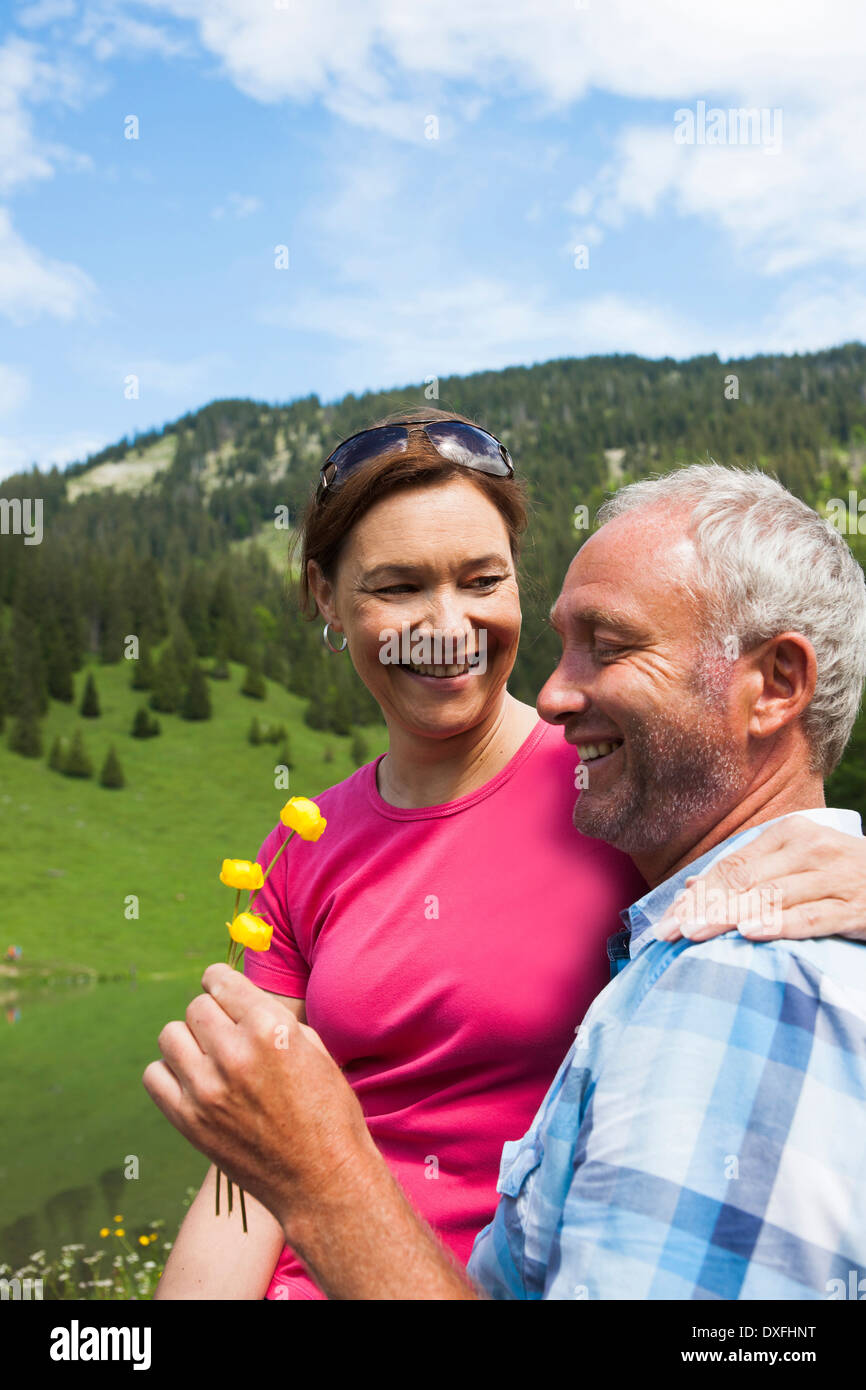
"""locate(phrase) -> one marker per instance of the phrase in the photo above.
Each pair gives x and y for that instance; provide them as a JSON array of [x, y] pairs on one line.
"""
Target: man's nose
[[562, 695]]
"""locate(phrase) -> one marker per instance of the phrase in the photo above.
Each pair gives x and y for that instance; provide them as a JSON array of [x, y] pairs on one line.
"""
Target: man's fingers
[[163, 1088], [207, 1023], [235, 994], [312, 1036], [181, 1052]]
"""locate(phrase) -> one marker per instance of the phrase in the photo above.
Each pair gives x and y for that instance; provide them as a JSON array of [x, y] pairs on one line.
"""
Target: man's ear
[[788, 672], [323, 592]]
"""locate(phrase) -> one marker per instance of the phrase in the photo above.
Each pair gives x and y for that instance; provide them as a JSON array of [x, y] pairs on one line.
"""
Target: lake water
[[75, 1114]]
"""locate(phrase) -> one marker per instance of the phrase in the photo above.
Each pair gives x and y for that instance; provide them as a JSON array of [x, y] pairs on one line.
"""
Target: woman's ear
[[323, 592]]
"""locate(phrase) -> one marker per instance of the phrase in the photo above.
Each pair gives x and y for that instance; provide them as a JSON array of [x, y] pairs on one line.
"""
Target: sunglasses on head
[[452, 439]]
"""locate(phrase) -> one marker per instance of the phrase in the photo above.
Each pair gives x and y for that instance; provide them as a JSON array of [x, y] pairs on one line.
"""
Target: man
[[705, 1135]]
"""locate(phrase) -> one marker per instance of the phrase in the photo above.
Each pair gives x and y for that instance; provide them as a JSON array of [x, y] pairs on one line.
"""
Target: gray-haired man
[[705, 1137]]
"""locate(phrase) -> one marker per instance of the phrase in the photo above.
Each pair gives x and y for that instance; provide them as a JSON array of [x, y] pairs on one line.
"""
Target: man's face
[[652, 718]]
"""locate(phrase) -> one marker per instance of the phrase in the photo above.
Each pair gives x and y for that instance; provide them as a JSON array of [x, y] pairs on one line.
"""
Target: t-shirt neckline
[[462, 803]]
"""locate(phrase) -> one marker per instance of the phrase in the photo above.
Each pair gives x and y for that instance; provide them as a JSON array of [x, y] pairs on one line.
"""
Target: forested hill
[[171, 534]]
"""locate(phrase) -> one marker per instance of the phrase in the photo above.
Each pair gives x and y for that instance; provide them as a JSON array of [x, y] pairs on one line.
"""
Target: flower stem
[[268, 869]]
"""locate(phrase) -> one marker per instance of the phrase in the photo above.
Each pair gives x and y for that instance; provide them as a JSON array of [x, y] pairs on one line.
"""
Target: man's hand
[[258, 1093], [795, 879]]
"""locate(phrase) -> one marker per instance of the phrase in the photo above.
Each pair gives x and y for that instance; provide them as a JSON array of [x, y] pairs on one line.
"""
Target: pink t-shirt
[[446, 955]]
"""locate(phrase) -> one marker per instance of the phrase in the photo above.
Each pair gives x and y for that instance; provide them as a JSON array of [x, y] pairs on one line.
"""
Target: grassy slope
[[195, 795]]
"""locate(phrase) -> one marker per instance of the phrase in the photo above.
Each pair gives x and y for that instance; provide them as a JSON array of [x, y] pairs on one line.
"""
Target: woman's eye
[[485, 581]]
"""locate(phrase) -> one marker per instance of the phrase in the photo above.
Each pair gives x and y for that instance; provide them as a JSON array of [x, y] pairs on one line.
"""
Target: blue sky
[[308, 124]]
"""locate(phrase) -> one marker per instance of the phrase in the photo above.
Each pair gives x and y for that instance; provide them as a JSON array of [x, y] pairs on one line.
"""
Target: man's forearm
[[363, 1240]]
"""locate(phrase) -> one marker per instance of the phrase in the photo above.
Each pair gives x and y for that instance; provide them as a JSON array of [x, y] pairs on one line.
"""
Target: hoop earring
[[327, 641]]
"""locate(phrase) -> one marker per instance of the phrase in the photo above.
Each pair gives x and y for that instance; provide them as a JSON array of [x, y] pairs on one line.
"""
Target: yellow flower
[[251, 931], [105, 1232], [303, 816], [154, 1236], [143, 1240], [241, 873], [118, 1218], [120, 1231]]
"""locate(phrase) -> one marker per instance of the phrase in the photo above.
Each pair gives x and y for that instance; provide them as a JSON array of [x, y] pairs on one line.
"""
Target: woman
[[448, 932]]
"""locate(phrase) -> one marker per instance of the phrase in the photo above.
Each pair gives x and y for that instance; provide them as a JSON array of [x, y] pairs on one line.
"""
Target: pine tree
[[359, 751], [59, 676], [254, 683], [167, 683], [29, 689], [57, 756], [143, 671], [319, 711], [90, 699], [193, 608], [25, 736], [255, 732], [183, 648], [196, 701], [144, 726], [58, 664], [77, 762], [275, 666], [6, 678], [112, 773]]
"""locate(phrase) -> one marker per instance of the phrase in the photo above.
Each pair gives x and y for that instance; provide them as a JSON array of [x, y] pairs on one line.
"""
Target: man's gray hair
[[770, 564]]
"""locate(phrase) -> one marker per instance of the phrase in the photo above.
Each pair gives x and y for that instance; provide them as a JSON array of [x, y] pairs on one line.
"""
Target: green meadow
[[198, 793], [84, 1004]]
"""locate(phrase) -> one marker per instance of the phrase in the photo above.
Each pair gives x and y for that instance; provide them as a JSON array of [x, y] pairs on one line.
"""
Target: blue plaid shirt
[[705, 1136]]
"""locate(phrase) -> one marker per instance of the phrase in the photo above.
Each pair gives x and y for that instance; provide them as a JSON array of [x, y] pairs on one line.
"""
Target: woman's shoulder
[[352, 788], [342, 797], [552, 746]]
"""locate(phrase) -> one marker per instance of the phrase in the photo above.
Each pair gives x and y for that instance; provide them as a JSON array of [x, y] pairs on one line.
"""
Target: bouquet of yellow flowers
[[246, 929]]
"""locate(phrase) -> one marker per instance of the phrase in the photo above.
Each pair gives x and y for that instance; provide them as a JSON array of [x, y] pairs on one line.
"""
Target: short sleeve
[[282, 969]]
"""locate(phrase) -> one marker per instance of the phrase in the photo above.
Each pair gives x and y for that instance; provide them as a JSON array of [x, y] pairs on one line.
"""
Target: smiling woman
[[435, 945]]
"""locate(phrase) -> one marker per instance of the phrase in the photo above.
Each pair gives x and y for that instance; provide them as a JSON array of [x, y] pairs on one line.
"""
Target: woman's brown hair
[[327, 524]]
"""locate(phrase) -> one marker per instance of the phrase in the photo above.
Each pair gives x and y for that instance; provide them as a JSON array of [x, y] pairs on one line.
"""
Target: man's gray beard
[[679, 772]]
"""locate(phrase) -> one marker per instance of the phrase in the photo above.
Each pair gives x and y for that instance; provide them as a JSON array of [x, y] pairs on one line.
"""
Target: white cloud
[[481, 323], [298, 49], [32, 284], [45, 12], [821, 316], [379, 65], [14, 388], [109, 30], [781, 210], [237, 205], [27, 78], [179, 380], [19, 453]]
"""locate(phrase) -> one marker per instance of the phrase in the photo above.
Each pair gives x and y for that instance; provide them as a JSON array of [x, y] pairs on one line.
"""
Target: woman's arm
[[795, 879], [212, 1258]]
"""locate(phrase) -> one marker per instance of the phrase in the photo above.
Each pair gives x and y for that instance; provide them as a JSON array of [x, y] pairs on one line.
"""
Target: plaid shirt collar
[[640, 920]]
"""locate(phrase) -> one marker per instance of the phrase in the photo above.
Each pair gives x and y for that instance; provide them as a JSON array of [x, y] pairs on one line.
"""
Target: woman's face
[[426, 586]]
